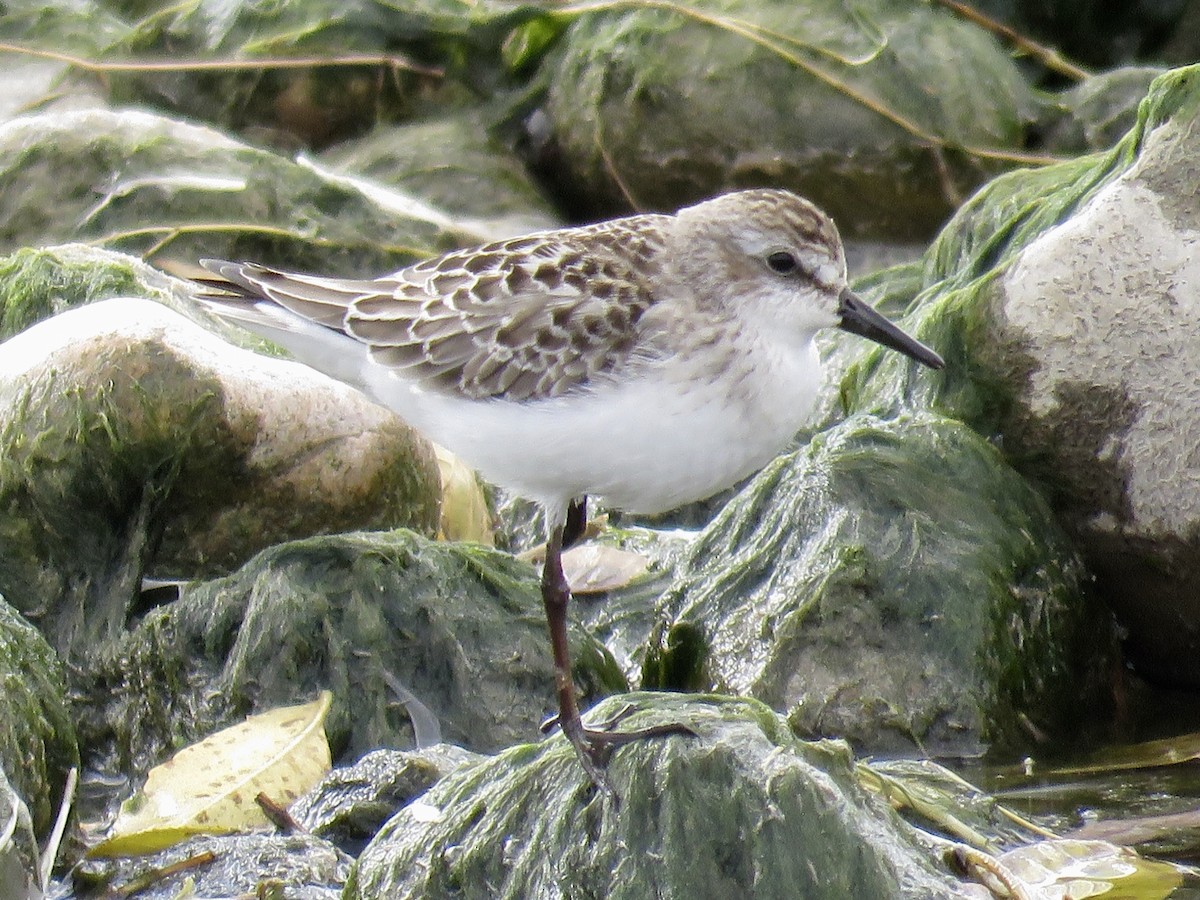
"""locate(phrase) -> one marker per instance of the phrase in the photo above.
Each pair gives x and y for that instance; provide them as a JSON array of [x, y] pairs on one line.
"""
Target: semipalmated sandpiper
[[647, 361]]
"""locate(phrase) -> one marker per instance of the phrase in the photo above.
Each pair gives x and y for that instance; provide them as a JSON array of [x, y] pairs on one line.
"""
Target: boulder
[[136, 443]]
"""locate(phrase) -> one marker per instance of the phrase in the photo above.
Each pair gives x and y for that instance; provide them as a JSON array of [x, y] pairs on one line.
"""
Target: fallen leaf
[[209, 787], [597, 568], [465, 513], [1075, 870]]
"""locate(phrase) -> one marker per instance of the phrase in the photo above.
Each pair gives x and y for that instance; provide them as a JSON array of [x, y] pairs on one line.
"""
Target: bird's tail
[[238, 300]]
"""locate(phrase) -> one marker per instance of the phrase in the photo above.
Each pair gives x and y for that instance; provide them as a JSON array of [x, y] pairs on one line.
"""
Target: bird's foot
[[594, 746]]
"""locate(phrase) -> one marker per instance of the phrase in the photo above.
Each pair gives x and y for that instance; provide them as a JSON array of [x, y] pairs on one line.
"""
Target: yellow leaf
[[598, 568], [1076, 870], [210, 787], [465, 513]]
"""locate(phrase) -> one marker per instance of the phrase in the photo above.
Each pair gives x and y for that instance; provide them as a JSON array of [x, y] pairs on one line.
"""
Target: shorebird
[[646, 362]]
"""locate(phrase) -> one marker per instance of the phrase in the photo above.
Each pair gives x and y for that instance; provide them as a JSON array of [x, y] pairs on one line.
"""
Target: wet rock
[[296, 867], [856, 108], [136, 443], [458, 626], [351, 803], [1098, 112], [36, 283], [1065, 301], [742, 809], [458, 165], [896, 583], [1094, 32], [300, 73], [19, 857], [392, 62], [161, 188], [37, 734]]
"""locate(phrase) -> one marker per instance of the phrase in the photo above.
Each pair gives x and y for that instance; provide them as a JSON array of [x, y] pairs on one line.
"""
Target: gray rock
[[1100, 320], [897, 584], [741, 810], [227, 867], [458, 625], [854, 107], [456, 164], [1098, 112], [175, 454], [351, 803], [1065, 302], [161, 188]]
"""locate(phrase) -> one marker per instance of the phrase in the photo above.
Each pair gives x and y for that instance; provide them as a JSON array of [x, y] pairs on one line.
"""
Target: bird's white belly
[[645, 446]]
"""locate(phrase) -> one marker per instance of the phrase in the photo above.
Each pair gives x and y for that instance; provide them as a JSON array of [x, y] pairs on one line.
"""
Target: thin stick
[[278, 815], [1047, 56], [60, 825], [224, 65], [149, 879]]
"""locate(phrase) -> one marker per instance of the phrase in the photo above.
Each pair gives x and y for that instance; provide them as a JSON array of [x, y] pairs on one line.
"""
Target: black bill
[[860, 318]]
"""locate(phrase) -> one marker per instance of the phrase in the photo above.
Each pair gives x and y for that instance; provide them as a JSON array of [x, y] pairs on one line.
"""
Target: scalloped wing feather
[[524, 319]]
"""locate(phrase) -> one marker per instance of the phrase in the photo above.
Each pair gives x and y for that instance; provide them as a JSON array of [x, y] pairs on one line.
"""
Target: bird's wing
[[524, 319]]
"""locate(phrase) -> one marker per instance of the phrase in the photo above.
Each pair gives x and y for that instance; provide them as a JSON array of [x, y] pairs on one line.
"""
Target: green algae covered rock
[[135, 443], [896, 583], [458, 626], [294, 72], [369, 63], [742, 809], [458, 165], [1064, 302], [37, 735], [168, 189], [878, 112], [36, 283]]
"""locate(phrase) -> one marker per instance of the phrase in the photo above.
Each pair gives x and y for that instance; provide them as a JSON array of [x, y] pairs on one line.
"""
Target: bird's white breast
[[670, 435]]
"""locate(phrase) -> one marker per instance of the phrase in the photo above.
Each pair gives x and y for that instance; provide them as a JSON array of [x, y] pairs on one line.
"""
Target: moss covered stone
[[460, 626], [181, 191], [1064, 302], [895, 582], [136, 443], [869, 110], [742, 809], [37, 735], [456, 163]]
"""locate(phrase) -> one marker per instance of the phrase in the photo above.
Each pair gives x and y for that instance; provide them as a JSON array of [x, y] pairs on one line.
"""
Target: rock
[[1065, 300], [855, 108], [137, 443], [1107, 395], [37, 732], [1094, 32], [165, 189], [38, 283], [297, 866], [456, 164], [392, 62], [1097, 112], [743, 809], [895, 583], [458, 626], [20, 860], [351, 803]]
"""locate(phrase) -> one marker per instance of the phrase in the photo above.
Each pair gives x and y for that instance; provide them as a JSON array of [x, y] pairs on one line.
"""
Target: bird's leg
[[576, 523], [591, 745], [556, 594]]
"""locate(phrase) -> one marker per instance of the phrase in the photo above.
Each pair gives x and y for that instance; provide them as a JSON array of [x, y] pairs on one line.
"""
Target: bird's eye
[[781, 262]]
